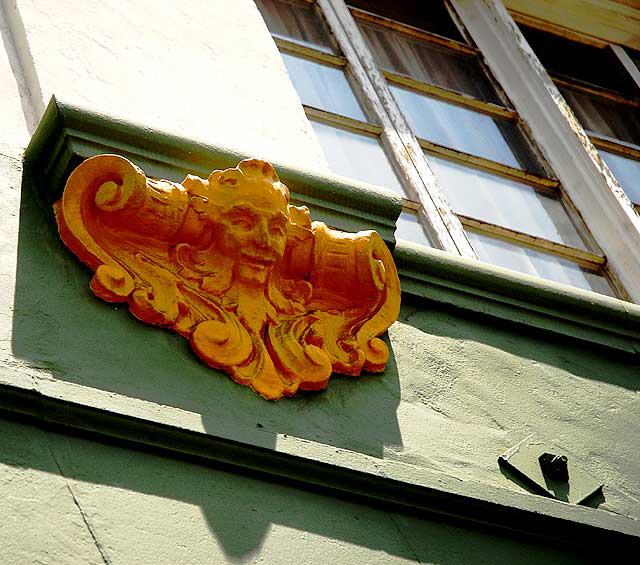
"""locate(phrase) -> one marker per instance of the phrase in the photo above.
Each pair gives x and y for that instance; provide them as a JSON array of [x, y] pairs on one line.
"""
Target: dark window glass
[[296, 21], [431, 15], [418, 59], [605, 117], [595, 65]]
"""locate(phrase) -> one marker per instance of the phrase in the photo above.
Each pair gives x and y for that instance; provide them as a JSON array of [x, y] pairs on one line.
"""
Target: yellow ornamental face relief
[[261, 293]]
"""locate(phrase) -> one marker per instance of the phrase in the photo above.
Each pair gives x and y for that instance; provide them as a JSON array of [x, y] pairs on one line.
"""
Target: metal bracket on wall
[[548, 470]]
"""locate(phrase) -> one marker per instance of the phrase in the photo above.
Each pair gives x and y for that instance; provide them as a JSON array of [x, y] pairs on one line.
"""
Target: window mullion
[[627, 63], [443, 225]]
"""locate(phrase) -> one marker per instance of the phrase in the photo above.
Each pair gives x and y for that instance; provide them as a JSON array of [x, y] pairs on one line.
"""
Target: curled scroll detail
[[275, 301]]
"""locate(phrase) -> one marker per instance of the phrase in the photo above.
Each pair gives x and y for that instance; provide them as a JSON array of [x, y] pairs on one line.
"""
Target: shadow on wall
[[140, 506], [559, 352], [62, 328]]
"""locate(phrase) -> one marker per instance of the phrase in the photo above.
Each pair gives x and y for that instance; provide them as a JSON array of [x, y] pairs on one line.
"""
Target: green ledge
[[68, 134], [342, 474], [516, 298]]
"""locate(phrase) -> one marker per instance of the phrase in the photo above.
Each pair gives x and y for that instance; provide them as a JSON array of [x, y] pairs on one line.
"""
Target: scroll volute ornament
[[261, 293]]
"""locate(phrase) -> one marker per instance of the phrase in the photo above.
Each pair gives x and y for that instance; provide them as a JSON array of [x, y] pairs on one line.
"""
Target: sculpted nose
[[263, 239]]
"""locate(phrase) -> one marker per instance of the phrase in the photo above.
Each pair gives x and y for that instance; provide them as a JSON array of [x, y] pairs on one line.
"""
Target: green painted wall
[[71, 500], [460, 389]]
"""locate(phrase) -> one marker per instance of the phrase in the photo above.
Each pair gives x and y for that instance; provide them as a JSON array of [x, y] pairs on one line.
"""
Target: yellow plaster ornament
[[275, 301]]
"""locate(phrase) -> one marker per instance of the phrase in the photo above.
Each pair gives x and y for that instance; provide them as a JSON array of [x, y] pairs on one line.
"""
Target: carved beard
[[246, 298], [253, 309]]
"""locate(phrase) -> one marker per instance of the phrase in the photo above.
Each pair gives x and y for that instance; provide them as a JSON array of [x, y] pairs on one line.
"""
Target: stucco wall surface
[[68, 501], [205, 69], [13, 123]]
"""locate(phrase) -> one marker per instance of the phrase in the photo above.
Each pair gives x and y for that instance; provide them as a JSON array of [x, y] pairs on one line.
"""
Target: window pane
[[605, 117], [412, 12], [537, 263], [627, 173], [463, 129], [323, 87], [426, 62], [356, 156], [296, 21], [504, 202], [408, 227], [587, 63]]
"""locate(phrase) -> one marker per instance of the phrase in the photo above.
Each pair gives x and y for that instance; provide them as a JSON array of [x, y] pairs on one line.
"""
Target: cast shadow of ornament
[[275, 301]]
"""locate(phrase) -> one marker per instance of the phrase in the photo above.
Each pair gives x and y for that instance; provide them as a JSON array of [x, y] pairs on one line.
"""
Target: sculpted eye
[[241, 223], [277, 230]]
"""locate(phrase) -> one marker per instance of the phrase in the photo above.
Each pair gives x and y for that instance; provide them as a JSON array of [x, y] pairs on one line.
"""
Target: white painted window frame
[[442, 224], [606, 210]]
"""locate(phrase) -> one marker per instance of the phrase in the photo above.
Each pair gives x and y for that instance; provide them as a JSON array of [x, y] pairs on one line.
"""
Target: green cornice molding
[[68, 134], [336, 472], [510, 296]]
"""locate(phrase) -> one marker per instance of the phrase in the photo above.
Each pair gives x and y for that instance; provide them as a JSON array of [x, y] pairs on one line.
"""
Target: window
[[602, 95], [319, 73], [431, 82]]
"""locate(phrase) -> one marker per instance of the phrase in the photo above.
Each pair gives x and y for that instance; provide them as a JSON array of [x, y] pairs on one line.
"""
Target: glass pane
[[504, 202], [587, 63], [408, 227], [323, 87], [356, 156], [605, 117], [627, 173], [296, 21], [463, 129], [412, 12], [532, 262], [423, 61]]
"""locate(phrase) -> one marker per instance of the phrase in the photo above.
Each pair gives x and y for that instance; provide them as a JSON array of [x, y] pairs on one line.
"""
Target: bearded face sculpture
[[261, 293]]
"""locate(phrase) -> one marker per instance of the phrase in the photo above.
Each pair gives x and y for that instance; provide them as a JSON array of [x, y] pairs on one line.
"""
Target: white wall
[[203, 69]]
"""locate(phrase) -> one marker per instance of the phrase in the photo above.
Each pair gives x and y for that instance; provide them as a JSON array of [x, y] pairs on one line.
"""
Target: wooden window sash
[[622, 148], [544, 184], [411, 31], [534, 22], [538, 182], [587, 88], [350, 124], [410, 205], [293, 48], [585, 258], [452, 96], [581, 257]]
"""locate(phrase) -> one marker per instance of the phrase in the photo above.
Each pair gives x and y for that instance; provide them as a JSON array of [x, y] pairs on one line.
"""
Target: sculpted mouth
[[258, 261]]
